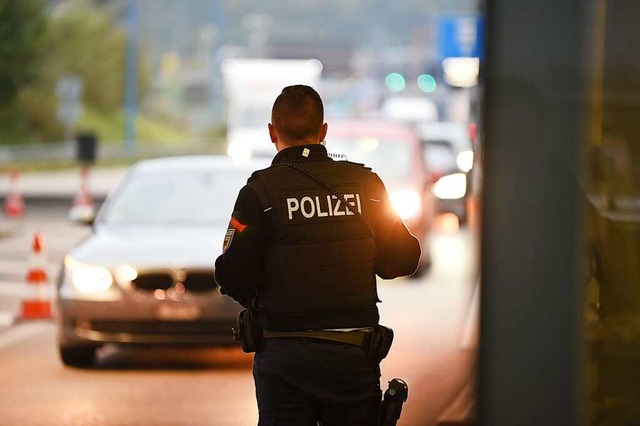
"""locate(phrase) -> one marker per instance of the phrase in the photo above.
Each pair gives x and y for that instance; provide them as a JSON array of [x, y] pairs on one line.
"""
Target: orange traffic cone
[[82, 208], [13, 202], [37, 304]]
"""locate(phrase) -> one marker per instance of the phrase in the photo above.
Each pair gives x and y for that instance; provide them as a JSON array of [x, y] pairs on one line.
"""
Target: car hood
[[162, 246]]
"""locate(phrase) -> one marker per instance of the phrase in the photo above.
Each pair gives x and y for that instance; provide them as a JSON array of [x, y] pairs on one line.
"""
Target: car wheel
[[462, 219], [78, 356]]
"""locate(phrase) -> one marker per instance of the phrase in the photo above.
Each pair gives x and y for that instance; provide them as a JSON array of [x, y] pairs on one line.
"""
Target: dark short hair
[[297, 112]]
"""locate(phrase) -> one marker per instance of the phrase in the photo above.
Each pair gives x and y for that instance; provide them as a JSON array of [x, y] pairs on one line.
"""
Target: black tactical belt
[[355, 337]]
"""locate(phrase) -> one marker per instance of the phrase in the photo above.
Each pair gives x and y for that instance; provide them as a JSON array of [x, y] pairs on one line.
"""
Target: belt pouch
[[378, 343], [248, 331]]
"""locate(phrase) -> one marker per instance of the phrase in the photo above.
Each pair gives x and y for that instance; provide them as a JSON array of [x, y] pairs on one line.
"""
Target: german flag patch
[[235, 224]]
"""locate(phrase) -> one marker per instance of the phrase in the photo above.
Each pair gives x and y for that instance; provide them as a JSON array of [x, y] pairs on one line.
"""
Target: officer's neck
[[292, 144], [300, 153]]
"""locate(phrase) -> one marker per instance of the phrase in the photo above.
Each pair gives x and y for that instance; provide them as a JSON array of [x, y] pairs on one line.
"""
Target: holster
[[391, 405], [377, 343], [248, 331]]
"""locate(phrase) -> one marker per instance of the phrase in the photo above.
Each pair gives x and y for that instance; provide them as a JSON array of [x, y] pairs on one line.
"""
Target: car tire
[[462, 219], [78, 356]]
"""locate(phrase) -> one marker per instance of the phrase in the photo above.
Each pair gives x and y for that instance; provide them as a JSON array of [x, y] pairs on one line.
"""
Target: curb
[[7, 319]]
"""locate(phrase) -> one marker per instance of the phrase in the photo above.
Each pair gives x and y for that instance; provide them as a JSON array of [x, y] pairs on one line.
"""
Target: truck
[[250, 87]]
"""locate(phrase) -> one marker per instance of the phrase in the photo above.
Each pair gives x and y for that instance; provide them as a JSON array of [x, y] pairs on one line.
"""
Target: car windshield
[[389, 158], [187, 197]]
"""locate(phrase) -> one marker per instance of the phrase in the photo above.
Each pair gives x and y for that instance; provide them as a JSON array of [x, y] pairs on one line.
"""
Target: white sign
[[69, 87], [69, 91]]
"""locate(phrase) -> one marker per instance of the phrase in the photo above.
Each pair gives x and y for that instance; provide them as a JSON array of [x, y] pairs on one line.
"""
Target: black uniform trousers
[[302, 382]]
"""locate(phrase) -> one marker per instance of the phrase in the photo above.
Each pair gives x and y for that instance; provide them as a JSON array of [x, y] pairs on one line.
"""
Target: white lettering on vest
[[292, 206], [311, 206], [336, 208], [319, 210], [347, 197], [309, 201], [329, 197]]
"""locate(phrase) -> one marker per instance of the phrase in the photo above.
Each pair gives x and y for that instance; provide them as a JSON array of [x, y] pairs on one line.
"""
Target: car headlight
[[89, 280], [407, 203], [451, 187], [464, 160], [125, 274]]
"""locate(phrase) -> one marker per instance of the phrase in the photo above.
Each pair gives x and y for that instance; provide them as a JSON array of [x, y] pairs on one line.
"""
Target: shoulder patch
[[228, 237]]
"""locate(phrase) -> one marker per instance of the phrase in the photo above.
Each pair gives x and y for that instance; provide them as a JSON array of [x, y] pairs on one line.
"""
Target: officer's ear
[[323, 131], [272, 133]]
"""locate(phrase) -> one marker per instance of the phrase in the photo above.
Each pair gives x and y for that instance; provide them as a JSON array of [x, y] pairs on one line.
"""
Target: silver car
[[145, 274]]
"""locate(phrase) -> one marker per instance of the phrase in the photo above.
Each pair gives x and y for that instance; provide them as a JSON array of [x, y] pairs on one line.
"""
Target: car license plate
[[178, 312]]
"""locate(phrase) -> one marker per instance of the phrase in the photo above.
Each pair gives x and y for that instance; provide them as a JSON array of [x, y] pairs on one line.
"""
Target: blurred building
[[365, 40]]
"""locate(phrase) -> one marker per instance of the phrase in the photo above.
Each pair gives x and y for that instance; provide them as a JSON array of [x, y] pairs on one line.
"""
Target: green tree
[[23, 26], [80, 39], [87, 42], [22, 30]]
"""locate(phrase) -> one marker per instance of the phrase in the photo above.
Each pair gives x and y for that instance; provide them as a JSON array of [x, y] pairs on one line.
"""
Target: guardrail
[[66, 151]]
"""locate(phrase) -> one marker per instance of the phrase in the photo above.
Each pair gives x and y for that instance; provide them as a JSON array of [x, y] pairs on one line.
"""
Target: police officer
[[306, 239]]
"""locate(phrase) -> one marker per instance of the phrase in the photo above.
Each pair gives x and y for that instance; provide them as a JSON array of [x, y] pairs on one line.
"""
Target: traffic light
[[395, 81], [426, 83]]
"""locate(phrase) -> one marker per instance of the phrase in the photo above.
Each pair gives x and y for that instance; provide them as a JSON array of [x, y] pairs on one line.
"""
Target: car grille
[[153, 281], [193, 281]]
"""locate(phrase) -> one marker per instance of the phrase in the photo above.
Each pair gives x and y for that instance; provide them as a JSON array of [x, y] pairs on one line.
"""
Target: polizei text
[[321, 206]]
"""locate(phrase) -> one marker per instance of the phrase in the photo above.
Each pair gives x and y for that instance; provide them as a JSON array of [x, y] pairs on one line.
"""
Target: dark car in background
[[144, 276], [393, 151], [448, 151]]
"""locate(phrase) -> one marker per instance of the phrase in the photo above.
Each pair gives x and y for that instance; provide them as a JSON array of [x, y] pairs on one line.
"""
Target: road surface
[[434, 351]]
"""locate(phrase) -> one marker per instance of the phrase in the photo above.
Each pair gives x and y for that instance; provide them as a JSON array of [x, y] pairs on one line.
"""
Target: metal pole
[[531, 365]]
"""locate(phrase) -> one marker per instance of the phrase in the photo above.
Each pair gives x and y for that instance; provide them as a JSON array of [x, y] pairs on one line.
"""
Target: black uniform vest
[[320, 258]]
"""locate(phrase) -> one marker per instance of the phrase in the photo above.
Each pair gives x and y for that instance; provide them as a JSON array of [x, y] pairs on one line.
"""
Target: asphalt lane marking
[[21, 333], [7, 318], [16, 270], [14, 289]]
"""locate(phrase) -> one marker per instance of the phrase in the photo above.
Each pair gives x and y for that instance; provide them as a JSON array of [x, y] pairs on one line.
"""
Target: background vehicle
[[251, 86], [393, 151], [448, 151], [145, 274], [410, 110]]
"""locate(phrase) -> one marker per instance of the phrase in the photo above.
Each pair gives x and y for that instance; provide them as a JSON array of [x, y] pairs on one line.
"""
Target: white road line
[[20, 333], [25, 291], [13, 289], [7, 318], [21, 266]]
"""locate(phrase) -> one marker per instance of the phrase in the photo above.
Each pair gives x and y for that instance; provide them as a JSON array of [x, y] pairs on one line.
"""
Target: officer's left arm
[[238, 270], [397, 250]]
